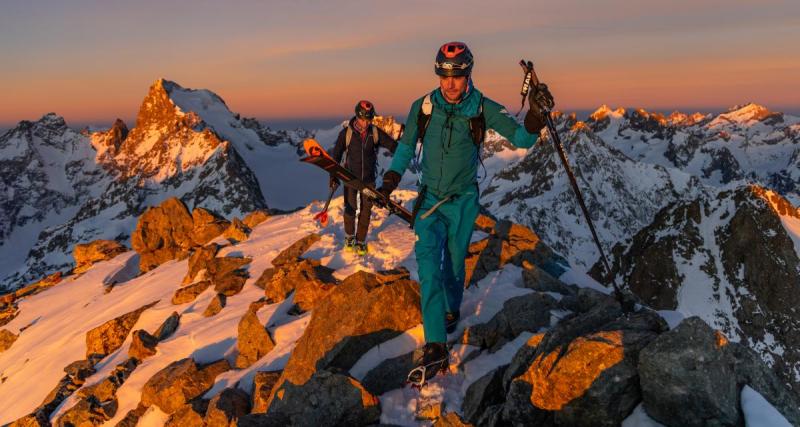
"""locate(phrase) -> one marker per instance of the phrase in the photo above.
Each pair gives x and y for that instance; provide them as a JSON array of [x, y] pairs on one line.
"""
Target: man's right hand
[[391, 180]]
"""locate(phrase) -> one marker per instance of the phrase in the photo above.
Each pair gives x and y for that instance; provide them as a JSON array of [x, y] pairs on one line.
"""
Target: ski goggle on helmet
[[365, 110], [453, 59]]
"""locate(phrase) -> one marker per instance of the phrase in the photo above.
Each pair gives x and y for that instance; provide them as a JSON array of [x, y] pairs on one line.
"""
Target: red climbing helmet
[[453, 59], [365, 110]]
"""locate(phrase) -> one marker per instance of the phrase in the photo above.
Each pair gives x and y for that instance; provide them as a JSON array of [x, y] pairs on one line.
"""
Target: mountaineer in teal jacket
[[453, 119]]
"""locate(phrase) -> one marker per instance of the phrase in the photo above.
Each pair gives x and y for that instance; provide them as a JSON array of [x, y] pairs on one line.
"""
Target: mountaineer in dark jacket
[[358, 143]]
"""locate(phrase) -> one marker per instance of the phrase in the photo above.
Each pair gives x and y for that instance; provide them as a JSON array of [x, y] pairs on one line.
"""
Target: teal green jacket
[[450, 158]]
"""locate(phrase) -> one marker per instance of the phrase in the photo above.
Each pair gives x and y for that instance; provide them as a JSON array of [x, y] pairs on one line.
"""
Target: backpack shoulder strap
[[424, 116], [477, 125], [348, 135]]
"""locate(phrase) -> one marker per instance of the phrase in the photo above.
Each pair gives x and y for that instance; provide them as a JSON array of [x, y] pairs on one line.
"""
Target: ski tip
[[312, 147]]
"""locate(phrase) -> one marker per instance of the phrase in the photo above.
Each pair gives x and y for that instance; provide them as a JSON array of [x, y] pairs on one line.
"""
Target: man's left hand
[[541, 101]]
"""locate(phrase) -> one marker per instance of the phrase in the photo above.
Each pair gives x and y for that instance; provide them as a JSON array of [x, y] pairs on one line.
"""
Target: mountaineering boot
[[451, 321], [350, 243], [360, 248], [435, 358]]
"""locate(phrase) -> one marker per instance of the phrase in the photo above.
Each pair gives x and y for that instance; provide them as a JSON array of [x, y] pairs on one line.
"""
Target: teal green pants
[[442, 243]]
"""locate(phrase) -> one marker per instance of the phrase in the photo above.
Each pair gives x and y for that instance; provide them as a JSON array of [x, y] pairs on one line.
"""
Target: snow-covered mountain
[[748, 143], [64, 187], [623, 195], [731, 257]]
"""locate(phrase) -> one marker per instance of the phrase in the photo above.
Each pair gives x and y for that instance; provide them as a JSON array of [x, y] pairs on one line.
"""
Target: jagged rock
[[256, 217], [36, 419], [179, 383], [109, 336], [450, 419], [189, 414], [350, 321], [34, 288], [88, 412], [163, 233], [79, 370], [190, 292], [106, 389], [143, 345], [522, 359], [237, 231], [215, 306], [169, 326], [484, 223], [198, 261], [260, 420], [8, 313], [292, 253], [584, 371], [86, 254], [510, 243], [429, 412], [131, 419], [539, 280], [206, 225], [325, 398], [7, 338], [685, 380], [62, 390], [525, 313], [227, 407], [253, 339], [232, 281], [262, 387], [483, 393], [388, 374], [310, 281]]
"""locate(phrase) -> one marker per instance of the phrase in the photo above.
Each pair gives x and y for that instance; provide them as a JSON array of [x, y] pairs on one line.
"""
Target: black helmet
[[453, 59], [365, 110]]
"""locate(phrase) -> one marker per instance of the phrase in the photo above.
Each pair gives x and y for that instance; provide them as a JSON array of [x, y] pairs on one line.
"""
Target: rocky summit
[[172, 273]]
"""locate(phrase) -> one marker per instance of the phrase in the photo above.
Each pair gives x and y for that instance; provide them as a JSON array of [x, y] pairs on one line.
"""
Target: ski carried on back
[[317, 156]]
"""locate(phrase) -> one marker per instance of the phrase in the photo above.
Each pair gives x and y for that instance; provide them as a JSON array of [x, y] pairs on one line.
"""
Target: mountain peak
[[604, 111], [747, 113]]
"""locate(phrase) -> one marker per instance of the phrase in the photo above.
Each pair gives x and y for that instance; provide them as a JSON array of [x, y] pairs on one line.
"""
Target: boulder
[[206, 225], [584, 371], [215, 306], [88, 412], [189, 414], [450, 419], [510, 243], [310, 281], [227, 407], [36, 419], [539, 280], [292, 253], [79, 370], [108, 337], [189, 293], [253, 338], [131, 419], [256, 217], [7, 338], [198, 261], [169, 326], [179, 383], [163, 233], [237, 231], [143, 345], [225, 273], [262, 388], [525, 313], [363, 311], [326, 398], [483, 393], [86, 254], [685, 380], [106, 389]]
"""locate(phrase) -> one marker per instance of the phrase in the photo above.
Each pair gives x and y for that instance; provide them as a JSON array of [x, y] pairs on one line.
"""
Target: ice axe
[[531, 80]]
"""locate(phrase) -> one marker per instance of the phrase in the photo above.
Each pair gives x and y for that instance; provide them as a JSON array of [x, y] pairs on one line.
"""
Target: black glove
[[333, 182], [539, 99], [391, 180]]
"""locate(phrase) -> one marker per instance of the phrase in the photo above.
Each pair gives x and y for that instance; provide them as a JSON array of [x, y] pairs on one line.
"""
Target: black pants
[[350, 202]]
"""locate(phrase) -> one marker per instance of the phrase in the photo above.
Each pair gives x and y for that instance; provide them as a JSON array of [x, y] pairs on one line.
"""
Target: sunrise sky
[[93, 61]]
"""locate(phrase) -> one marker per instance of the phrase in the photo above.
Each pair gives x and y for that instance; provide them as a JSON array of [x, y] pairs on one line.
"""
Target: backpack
[[348, 135]]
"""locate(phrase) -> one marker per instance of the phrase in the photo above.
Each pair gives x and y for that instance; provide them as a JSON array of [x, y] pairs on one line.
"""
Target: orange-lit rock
[[558, 380]]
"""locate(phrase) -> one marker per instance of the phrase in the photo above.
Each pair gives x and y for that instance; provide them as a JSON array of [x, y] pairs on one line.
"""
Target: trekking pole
[[322, 217], [531, 80]]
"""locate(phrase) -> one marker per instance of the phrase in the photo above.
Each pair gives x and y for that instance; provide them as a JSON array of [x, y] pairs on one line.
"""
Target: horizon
[[93, 62]]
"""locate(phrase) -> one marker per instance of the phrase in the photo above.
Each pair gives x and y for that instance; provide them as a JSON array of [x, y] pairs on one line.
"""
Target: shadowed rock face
[[163, 233], [733, 247], [180, 382]]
